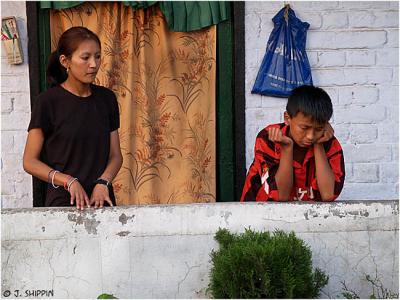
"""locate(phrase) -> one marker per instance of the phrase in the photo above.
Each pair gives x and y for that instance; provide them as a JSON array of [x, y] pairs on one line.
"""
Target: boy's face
[[303, 129]]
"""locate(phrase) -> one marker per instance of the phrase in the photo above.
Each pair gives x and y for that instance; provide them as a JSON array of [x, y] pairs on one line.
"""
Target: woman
[[76, 124]]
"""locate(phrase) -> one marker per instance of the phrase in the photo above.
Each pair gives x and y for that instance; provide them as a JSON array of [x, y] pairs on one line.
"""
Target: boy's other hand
[[276, 135], [328, 134]]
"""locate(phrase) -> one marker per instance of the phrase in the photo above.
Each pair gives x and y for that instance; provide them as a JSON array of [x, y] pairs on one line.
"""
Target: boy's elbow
[[328, 197]]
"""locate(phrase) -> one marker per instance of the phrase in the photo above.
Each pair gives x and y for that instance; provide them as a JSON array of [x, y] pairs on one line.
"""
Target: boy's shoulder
[[332, 147], [277, 125]]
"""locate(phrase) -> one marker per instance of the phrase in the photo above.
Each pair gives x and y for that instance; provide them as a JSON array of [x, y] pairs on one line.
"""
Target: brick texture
[[353, 49], [16, 185]]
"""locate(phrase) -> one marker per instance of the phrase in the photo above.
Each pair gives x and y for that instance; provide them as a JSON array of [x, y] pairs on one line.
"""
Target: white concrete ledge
[[162, 251]]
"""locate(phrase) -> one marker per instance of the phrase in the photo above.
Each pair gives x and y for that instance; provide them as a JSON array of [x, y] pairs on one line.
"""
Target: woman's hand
[[99, 195], [78, 195]]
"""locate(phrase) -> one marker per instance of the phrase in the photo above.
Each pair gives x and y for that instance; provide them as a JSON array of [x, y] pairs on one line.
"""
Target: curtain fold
[[193, 15], [165, 85], [181, 16]]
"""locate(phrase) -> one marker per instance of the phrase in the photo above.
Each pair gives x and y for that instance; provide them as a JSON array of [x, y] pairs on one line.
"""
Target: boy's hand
[[276, 135], [328, 134]]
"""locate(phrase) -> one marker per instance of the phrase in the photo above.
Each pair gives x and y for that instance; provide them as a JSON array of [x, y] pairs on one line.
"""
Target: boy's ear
[[286, 118]]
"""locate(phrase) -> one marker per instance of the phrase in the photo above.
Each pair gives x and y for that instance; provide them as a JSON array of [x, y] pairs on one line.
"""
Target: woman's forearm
[[31, 159], [40, 170], [114, 159], [113, 166]]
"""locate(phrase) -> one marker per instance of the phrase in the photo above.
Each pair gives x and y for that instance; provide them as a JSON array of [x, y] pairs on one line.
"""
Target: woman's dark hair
[[67, 44], [311, 101]]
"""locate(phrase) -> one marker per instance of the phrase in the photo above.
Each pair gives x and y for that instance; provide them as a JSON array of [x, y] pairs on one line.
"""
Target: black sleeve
[[40, 117], [114, 113]]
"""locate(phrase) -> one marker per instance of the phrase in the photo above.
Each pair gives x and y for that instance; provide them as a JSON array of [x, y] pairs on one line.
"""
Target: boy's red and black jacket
[[260, 182]]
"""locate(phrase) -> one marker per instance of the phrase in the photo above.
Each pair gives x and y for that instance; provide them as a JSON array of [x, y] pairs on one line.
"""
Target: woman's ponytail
[[55, 73]]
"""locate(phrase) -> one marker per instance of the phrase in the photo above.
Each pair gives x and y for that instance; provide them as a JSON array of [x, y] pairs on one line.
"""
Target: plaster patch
[[168, 209], [124, 219], [89, 224], [123, 233], [341, 214], [226, 215], [337, 213], [311, 213], [362, 213]]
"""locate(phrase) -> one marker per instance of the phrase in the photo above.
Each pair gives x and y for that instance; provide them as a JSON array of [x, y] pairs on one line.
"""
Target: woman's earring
[[67, 70]]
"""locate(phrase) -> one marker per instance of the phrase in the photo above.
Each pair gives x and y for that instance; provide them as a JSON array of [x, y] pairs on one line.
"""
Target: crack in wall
[[189, 269]]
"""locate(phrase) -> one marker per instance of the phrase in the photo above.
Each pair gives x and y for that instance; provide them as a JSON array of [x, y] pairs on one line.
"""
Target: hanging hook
[[286, 14]]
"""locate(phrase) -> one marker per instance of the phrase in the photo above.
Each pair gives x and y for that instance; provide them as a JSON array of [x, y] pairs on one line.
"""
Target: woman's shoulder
[[102, 90], [105, 95], [48, 95]]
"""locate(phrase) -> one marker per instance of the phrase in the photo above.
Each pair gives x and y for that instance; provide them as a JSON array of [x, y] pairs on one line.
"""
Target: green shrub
[[106, 296], [261, 265]]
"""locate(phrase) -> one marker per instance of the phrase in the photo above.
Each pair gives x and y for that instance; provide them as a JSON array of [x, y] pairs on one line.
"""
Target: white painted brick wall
[[16, 185], [360, 57], [358, 95], [353, 48]]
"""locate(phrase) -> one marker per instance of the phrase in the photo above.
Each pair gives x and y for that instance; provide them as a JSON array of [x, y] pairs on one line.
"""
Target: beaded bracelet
[[72, 180], [52, 179]]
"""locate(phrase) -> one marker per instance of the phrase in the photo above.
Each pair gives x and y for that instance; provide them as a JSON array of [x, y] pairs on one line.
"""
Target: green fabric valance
[[193, 15], [59, 4], [181, 16]]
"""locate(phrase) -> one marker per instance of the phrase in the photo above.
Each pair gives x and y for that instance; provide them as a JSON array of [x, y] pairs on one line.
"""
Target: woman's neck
[[77, 88]]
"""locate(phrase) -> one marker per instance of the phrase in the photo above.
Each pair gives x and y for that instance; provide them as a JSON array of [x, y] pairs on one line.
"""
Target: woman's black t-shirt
[[76, 135]]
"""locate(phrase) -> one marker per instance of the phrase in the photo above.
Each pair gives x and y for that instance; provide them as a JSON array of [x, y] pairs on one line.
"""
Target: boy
[[299, 159]]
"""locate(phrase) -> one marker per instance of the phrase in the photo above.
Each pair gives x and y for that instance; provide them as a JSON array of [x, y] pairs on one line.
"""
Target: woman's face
[[84, 62]]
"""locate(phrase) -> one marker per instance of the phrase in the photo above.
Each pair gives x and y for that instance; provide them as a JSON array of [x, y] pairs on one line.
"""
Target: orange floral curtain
[[165, 85]]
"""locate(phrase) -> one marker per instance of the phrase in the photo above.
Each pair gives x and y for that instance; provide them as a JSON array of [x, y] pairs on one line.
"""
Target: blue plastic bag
[[285, 65]]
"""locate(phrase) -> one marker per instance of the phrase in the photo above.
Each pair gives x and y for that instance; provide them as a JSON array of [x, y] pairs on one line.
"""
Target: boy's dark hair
[[311, 101]]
